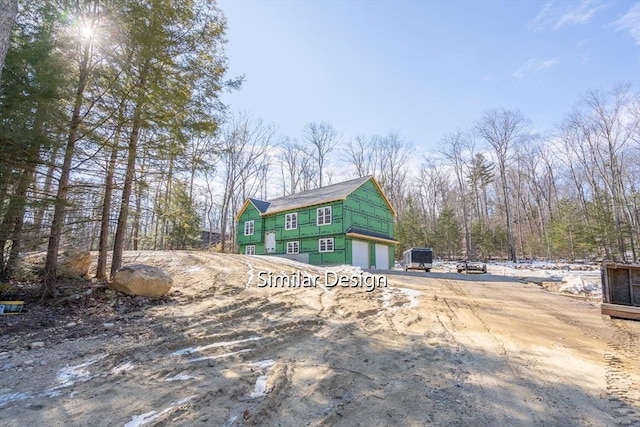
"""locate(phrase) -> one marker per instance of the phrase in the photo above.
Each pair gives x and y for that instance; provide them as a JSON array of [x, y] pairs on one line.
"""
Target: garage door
[[382, 257], [360, 254]]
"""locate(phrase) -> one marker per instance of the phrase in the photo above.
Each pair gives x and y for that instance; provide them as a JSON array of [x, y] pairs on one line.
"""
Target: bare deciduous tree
[[323, 139], [244, 143], [362, 153], [503, 130], [296, 166], [393, 158], [457, 144]]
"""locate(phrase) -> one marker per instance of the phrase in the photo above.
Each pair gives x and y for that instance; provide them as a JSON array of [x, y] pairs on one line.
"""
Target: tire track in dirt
[[621, 366], [621, 373], [488, 362]]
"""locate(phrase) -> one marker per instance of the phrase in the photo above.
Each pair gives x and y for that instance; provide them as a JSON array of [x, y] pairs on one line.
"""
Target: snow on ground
[[260, 387], [575, 279], [574, 284], [140, 420], [412, 295]]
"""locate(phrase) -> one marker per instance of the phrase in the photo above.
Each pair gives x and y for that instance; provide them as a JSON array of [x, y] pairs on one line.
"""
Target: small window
[[291, 221], [248, 228], [293, 247], [326, 245], [250, 250], [324, 216]]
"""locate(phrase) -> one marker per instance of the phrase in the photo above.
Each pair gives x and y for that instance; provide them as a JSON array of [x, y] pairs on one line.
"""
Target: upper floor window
[[325, 245], [291, 221], [293, 247], [250, 250], [324, 216], [248, 228]]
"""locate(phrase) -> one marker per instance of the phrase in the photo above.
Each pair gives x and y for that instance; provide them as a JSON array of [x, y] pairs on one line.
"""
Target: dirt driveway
[[427, 349]]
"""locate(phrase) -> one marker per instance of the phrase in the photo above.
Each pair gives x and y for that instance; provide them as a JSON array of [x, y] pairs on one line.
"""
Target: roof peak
[[361, 180], [314, 197]]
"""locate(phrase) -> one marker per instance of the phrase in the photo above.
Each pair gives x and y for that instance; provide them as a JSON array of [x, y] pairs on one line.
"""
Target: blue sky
[[424, 68]]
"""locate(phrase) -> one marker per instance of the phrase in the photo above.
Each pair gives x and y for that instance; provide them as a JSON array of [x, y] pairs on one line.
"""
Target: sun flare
[[86, 31]]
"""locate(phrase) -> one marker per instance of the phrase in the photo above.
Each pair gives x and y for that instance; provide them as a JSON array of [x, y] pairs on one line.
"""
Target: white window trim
[[293, 245], [324, 216], [287, 223], [249, 226], [326, 240], [250, 250]]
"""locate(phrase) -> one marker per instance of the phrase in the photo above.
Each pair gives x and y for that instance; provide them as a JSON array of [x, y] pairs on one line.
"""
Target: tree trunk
[[51, 264], [505, 193], [14, 220], [123, 216], [46, 191], [136, 216], [8, 12], [101, 271]]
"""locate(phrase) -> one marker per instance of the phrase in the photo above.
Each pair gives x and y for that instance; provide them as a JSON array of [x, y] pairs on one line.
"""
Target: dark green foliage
[[446, 236], [182, 218], [410, 232], [31, 109]]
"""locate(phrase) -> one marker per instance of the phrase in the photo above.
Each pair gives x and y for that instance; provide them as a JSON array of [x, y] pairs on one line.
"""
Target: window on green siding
[[250, 250], [248, 228], [291, 221], [293, 247], [324, 216], [325, 245]]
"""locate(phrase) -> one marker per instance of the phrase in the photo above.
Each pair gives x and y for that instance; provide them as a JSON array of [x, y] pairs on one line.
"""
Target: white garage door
[[382, 257], [360, 254]]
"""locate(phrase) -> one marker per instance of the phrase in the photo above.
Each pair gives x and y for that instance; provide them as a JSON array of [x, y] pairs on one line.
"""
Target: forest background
[[114, 136]]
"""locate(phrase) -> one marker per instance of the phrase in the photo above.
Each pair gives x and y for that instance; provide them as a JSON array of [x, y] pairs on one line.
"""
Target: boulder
[[74, 263], [141, 280]]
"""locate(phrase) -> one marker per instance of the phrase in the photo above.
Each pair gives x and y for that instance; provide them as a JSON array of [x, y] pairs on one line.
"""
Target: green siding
[[364, 208], [257, 238], [372, 253]]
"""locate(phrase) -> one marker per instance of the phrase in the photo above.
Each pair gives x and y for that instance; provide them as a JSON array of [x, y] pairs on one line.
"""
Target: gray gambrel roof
[[318, 196]]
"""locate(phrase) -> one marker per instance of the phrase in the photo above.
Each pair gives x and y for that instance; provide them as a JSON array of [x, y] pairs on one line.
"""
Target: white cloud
[[555, 14], [630, 22], [534, 65]]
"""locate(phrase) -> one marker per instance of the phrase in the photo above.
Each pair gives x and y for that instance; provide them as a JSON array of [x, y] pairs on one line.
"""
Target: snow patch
[[69, 375], [251, 275], [573, 284], [128, 366], [140, 420], [181, 377], [260, 388], [412, 295], [190, 350], [218, 356], [12, 397], [263, 364], [386, 297]]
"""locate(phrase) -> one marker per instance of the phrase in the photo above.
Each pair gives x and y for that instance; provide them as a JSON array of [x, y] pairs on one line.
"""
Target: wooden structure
[[621, 290], [350, 222]]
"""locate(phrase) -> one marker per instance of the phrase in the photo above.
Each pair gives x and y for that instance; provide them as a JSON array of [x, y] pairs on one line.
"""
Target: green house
[[346, 223]]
